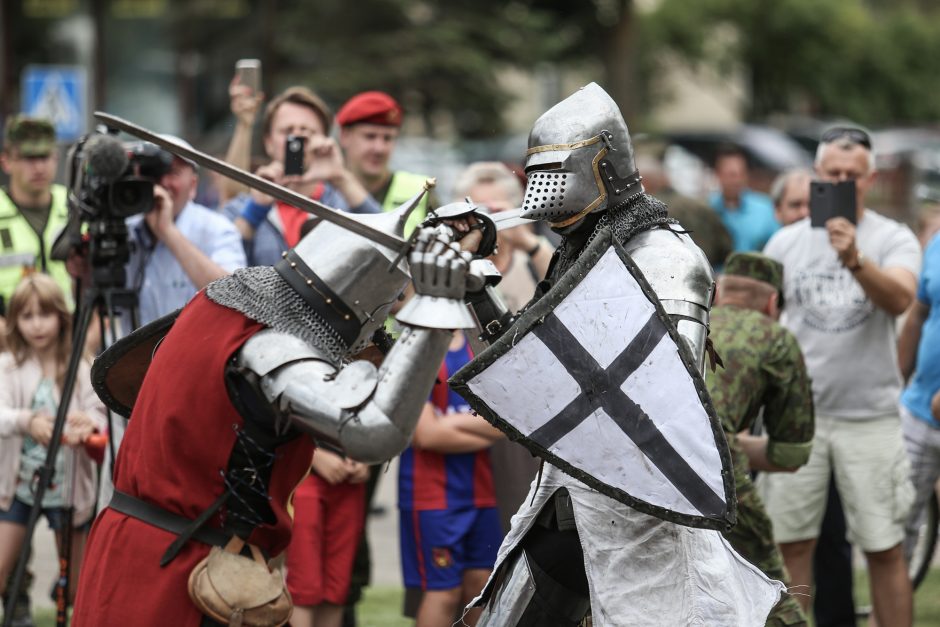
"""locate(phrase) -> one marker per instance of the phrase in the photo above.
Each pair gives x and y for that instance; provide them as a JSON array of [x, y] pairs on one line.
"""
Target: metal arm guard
[[490, 311], [682, 278], [370, 415]]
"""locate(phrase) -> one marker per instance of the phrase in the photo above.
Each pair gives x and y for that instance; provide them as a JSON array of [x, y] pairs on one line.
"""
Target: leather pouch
[[240, 591]]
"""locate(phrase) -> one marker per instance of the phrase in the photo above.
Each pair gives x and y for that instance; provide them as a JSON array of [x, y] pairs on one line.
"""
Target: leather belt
[[179, 526]]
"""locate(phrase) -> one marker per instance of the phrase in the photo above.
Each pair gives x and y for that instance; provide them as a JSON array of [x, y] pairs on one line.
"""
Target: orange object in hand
[[95, 445]]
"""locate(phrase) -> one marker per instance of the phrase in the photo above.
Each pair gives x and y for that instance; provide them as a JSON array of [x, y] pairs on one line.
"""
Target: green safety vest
[[22, 252], [404, 185]]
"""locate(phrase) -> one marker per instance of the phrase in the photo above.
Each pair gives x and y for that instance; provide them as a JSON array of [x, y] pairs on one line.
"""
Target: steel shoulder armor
[[682, 278]]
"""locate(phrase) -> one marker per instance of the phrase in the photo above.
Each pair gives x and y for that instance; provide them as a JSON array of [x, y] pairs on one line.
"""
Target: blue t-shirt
[[926, 381], [752, 223]]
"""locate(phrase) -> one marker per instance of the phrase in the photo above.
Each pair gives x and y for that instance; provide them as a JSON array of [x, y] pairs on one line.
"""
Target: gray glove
[[439, 271]]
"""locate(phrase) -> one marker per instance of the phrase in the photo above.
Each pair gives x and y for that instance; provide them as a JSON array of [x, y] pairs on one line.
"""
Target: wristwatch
[[859, 262]]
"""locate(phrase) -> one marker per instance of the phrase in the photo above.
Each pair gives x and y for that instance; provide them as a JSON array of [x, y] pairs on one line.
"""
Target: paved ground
[[383, 535]]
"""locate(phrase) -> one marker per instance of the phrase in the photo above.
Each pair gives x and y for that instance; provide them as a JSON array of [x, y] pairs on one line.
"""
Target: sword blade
[[256, 182], [508, 219]]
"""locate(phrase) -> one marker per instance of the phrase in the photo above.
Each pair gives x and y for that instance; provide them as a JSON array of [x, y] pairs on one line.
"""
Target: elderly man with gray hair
[[522, 256], [790, 195], [844, 284]]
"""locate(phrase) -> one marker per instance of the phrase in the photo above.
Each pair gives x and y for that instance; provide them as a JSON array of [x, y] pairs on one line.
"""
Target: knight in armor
[[253, 373], [573, 550]]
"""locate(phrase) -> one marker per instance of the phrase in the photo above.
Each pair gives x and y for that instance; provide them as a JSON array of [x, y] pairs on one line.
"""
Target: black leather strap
[[177, 525], [318, 296], [619, 187]]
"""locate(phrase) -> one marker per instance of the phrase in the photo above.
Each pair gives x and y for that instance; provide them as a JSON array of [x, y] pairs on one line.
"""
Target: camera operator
[[32, 208], [181, 246], [177, 248]]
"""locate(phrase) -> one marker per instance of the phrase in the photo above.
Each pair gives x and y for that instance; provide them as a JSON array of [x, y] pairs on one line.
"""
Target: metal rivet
[[309, 282], [346, 317], [329, 301]]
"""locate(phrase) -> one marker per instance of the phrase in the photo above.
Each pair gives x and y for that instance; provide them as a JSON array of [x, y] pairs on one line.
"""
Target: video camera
[[108, 183], [108, 180]]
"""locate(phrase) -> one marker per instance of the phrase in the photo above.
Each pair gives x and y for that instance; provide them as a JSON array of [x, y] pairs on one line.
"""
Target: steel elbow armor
[[369, 414]]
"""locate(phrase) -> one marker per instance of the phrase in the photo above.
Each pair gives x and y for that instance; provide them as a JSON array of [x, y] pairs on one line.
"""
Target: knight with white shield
[[601, 377]]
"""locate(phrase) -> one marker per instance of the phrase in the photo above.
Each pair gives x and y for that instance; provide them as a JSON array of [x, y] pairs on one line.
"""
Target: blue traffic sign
[[59, 93]]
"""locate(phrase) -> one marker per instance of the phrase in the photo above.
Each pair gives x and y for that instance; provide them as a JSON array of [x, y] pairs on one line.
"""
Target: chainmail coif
[[639, 213], [261, 294]]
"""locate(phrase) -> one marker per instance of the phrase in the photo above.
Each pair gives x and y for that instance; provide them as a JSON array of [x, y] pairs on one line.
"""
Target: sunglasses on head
[[854, 135]]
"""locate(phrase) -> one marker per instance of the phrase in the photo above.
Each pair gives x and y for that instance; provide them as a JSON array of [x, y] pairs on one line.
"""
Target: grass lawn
[[926, 598], [381, 606]]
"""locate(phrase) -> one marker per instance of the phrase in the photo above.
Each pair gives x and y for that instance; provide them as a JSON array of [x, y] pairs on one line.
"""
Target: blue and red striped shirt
[[429, 480]]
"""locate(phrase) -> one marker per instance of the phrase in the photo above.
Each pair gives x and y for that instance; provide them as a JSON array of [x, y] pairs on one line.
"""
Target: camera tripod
[[106, 294]]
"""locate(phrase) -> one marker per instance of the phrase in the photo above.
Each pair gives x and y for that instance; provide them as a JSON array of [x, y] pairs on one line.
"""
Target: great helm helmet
[[580, 160], [352, 282]]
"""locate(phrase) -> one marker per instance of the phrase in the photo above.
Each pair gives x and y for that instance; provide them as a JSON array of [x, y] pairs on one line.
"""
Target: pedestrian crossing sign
[[58, 93]]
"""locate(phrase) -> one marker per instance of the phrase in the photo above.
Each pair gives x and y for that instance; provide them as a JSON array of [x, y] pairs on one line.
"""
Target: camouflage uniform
[[763, 370]]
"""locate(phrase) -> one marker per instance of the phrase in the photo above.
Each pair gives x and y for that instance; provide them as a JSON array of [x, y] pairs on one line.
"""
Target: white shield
[[592, 379]]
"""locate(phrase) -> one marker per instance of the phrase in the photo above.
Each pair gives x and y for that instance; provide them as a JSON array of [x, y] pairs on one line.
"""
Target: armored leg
[[526, 596], [544, 583]]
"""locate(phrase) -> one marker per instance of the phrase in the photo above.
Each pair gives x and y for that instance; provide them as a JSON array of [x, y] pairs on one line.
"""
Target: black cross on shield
[[600, 389], [517, 384], [551, 346]]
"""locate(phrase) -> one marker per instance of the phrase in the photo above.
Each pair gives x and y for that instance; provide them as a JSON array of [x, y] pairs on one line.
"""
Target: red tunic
[[178, 440]]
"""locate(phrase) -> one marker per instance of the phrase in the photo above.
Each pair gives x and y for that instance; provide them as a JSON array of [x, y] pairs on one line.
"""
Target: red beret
[[370, 107]]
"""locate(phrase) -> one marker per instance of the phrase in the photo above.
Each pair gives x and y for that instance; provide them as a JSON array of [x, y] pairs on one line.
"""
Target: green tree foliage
[[434, 56], [439, 56], [875, 62]]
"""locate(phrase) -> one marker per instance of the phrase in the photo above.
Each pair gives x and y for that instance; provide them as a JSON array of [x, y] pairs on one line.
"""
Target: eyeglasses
[[854, 135]]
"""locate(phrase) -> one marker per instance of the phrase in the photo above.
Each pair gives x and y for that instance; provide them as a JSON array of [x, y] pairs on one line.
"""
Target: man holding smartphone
[[844, 285], [296, 128]]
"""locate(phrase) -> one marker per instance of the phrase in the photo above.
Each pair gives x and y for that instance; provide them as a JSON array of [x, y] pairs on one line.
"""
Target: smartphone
[[294, 154], [831, 200], [249, 73]]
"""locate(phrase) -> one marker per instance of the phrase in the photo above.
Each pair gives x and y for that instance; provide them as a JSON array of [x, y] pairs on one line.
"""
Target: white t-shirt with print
[[848, 343]]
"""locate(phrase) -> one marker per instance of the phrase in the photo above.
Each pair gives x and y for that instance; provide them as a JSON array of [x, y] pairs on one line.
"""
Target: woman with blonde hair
[[38, 339]]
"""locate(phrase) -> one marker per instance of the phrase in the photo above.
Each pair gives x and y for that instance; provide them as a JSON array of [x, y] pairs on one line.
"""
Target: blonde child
[[38, 339]]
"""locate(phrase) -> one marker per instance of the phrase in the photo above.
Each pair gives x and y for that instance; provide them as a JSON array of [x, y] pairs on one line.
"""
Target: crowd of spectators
[[831, 296]]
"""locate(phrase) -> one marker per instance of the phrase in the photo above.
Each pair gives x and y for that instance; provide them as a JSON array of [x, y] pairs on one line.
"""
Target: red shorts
[[328, 520]]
